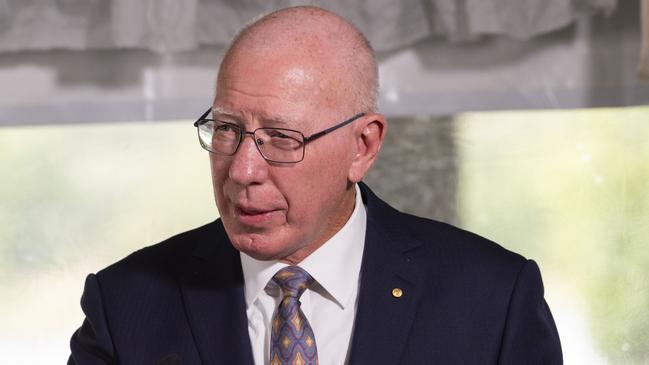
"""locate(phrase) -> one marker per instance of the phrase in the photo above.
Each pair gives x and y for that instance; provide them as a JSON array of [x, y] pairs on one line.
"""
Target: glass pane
[[73, 199], [567, 188], [570, 189]]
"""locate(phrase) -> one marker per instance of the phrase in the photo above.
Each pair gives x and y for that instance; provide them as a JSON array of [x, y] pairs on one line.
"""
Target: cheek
[[219, 173], [219, 168], [334, 163], [318, 190]]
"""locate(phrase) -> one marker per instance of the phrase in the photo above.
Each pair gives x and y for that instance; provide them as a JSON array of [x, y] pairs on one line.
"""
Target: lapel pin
[[397, 292]]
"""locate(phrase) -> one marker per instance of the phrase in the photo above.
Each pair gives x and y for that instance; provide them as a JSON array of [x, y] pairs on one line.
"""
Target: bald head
[[325, 45]]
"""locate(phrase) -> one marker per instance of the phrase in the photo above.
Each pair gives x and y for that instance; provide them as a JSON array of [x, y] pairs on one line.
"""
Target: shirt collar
[[343, 251]]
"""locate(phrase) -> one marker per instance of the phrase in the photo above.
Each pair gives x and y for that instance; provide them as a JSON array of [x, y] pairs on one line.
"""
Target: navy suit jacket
[[465, 300]]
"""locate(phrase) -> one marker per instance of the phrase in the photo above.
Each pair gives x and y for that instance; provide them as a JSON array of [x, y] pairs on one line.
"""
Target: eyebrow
[[223, 111], [271, 118]]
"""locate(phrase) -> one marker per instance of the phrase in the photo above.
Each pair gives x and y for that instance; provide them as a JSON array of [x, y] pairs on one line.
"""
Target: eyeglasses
[[279, 145]]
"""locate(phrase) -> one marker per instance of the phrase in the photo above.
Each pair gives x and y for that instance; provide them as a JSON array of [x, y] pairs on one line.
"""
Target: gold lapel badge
[[397, 292]]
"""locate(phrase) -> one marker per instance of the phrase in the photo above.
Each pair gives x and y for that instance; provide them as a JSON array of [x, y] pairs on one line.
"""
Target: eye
[[279, 134], [283, 139], [223, 127], [223, 132]]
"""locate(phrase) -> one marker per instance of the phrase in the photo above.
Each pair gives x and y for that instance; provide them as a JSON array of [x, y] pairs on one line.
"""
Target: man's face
[[282, 211]]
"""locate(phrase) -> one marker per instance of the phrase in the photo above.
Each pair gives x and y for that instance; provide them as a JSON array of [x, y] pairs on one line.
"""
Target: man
[[306, 265]]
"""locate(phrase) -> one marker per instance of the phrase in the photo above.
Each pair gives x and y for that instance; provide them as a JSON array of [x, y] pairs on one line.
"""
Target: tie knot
[[293, 281]]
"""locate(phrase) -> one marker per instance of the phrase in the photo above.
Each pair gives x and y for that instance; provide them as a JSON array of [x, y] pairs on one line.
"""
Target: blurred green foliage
[[571, 190], [74, 199], [96, 192]]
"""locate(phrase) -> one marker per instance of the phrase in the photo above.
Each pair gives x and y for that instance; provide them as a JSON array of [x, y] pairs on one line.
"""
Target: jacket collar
[[212, 291], [393, 259]]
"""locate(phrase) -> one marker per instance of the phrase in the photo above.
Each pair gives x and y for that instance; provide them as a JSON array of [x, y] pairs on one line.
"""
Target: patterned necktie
[[292, 341]]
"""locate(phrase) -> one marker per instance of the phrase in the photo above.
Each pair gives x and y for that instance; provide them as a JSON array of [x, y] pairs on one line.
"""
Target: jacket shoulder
[[461, 245], [162, 257], [458, 252]]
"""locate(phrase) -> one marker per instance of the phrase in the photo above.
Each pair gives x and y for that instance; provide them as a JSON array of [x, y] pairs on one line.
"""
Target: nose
[[248, 166]]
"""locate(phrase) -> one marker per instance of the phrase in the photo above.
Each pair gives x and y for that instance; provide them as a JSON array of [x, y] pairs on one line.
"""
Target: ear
[[368, 137]]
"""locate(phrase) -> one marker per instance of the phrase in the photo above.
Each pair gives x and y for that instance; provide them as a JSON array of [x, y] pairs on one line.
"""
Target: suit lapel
[[212, 290], [384, 318]]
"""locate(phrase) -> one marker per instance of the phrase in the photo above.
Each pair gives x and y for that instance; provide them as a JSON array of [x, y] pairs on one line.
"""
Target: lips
[[252, 211], [252, 216]]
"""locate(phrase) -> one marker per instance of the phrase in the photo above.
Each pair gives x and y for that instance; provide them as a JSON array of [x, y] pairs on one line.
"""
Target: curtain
[[174, 25]]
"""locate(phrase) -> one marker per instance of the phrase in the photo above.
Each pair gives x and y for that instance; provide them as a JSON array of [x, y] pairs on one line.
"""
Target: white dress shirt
[[329, 305]]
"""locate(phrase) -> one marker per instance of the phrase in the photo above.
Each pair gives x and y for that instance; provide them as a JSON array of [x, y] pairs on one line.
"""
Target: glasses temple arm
[[331, 129], [202, 116]]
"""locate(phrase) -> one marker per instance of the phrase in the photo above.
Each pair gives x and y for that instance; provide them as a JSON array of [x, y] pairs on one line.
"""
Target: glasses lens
[[280, 145], [218, 137]]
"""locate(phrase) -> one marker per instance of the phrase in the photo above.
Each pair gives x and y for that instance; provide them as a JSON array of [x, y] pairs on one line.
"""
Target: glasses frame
[[242, 134]]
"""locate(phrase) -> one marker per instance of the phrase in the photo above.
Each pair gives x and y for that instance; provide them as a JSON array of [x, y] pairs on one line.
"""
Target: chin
[[261, 256], [255, 247]]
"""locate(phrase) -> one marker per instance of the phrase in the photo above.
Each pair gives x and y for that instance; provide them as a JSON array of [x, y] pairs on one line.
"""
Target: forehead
[[277, 87], [282, 69]]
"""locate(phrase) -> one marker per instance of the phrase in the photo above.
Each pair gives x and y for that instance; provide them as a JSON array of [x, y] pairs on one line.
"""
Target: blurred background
[[526, 122]]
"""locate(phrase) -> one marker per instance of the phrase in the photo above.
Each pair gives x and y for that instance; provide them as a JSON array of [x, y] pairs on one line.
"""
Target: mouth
[[255, 217]]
